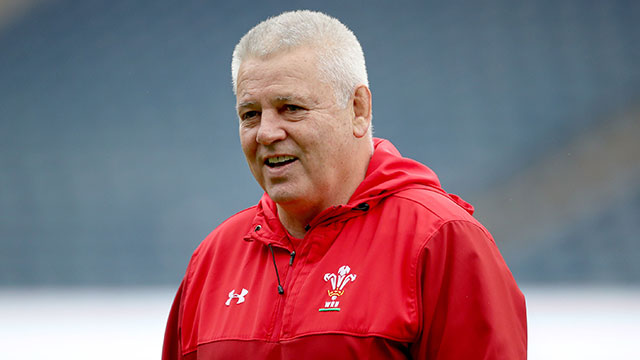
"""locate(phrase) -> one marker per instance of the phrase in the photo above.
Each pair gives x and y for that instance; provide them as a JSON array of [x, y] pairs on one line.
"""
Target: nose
[[270, 129]]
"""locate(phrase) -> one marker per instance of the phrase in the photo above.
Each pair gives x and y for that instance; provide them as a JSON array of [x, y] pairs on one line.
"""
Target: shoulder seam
[[425, 206], [398, 195]]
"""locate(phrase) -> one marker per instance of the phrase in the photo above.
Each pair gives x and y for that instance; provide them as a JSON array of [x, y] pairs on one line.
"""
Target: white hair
[[339, 54]]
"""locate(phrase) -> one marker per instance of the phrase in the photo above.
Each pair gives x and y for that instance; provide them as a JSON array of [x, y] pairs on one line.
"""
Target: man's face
[[297, 139]]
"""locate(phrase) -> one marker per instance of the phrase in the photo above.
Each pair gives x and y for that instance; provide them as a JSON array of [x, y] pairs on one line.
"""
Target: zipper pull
[[280, 288], [293, 254]]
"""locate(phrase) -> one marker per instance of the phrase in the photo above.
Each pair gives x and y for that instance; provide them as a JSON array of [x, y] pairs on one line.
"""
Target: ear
[[361, 111]]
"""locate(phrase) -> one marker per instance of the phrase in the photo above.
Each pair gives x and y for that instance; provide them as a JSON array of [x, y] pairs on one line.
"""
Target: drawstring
[[280, 288]]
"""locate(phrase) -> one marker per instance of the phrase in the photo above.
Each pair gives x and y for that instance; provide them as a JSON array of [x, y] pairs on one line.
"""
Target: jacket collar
[[388, 173]]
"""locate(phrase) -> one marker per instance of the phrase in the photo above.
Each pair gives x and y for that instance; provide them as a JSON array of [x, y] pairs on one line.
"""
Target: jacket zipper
[[282, 302]]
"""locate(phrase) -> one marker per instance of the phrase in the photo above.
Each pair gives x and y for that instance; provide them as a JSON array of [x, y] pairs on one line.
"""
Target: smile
[[277, 161]]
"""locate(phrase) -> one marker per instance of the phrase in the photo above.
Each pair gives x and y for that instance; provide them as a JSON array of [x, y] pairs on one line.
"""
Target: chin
[[281, 198], [283, 195]]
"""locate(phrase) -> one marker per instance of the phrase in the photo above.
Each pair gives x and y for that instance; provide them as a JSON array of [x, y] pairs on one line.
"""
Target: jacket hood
[[388, 173]]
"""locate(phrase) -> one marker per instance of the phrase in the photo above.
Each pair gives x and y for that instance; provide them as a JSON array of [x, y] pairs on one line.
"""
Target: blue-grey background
[[119, 149]]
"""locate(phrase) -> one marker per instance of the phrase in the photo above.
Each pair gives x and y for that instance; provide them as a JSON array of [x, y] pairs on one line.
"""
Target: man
[[353, 252]]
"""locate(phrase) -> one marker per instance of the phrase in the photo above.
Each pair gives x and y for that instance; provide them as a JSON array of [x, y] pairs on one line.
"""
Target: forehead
[[292, 74]]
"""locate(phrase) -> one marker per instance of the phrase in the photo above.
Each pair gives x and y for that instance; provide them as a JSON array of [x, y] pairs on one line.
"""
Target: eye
[[292, 108], [249, 115]]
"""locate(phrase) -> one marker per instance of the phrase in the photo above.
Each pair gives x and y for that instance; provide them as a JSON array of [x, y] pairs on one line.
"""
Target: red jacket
[[402, 271]]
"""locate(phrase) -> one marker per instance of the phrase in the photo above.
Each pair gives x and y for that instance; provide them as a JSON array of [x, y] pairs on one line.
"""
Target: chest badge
[[234, 295], [337, 283]]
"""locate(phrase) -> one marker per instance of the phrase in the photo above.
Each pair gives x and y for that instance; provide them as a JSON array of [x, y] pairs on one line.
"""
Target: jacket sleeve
[[471, 307], [172, 347]]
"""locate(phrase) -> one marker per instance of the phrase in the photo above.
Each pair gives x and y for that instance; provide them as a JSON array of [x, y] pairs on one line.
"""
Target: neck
[[296, 216], [295, 225]]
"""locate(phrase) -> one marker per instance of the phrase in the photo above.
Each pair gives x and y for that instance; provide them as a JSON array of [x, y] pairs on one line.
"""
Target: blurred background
[[119, 154]]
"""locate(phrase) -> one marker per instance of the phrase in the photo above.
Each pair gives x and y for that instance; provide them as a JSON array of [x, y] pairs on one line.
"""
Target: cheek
[[249, 151], [247, 141]]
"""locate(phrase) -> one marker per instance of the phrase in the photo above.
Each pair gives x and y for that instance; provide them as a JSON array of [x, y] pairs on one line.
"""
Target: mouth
[[277, 161]]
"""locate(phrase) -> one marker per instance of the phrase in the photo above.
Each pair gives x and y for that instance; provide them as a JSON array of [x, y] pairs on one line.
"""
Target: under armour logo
[[240, 297]]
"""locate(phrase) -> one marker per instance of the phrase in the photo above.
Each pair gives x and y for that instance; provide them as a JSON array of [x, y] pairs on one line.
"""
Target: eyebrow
[[284, 98], [305, 100], [246, 104], [277, 99]]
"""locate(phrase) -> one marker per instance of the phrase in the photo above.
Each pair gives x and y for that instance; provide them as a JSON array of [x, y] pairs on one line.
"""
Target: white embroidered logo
[[240, 297], [337, 287]]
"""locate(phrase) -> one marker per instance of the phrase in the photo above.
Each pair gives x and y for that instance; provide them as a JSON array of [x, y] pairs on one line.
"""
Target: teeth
[[279, 159]]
